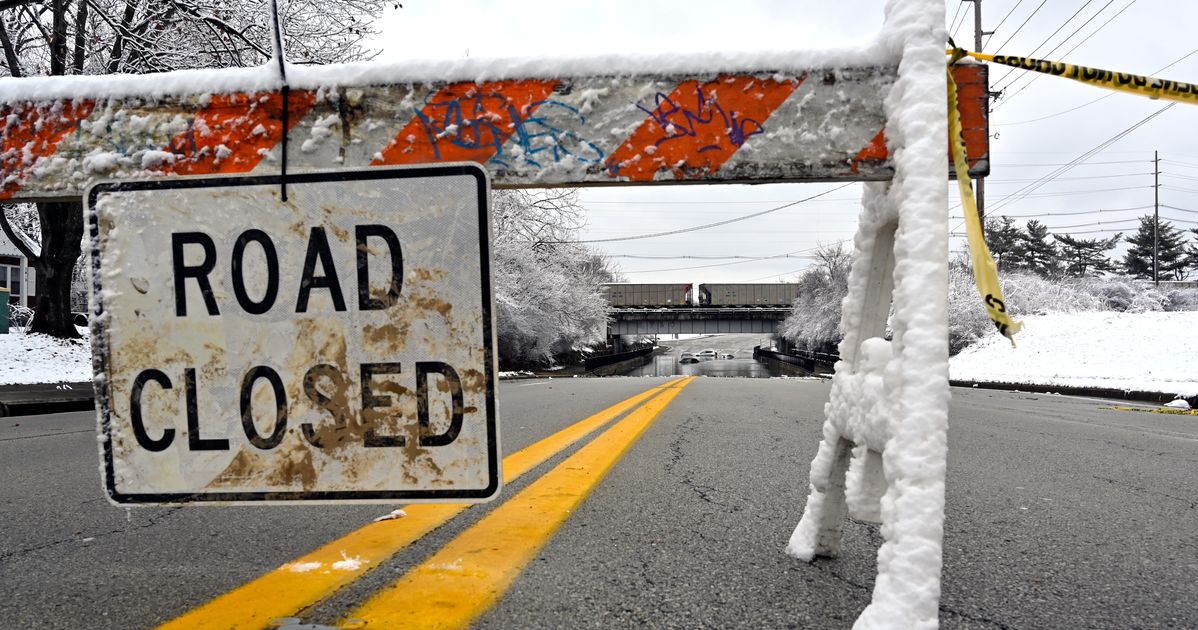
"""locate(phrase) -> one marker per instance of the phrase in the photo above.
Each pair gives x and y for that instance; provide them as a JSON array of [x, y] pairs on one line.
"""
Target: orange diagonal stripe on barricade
[[234, 132], [30, 132], [693, 130], [466, 121]]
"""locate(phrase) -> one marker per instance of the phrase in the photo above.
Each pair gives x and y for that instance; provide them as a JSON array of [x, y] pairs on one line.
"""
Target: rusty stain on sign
[[334, 347]]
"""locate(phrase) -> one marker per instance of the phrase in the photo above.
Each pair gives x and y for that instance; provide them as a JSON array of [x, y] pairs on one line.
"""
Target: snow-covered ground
[[41, 359], [1152, 351]]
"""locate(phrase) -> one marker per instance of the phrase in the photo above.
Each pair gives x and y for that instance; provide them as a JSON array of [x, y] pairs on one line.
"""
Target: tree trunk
[[62, 236]]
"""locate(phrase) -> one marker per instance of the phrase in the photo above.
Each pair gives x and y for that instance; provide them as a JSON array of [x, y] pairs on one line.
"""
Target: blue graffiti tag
[[471, 123]]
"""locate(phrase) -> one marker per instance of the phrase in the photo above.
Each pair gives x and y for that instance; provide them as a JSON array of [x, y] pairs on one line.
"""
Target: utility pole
[[1156, 216], [980, 183]]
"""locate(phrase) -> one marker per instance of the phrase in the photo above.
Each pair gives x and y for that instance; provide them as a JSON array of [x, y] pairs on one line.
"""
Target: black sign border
[[100, 358]]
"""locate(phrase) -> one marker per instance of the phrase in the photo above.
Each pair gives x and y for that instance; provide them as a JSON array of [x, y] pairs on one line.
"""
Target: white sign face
[[336, 346]]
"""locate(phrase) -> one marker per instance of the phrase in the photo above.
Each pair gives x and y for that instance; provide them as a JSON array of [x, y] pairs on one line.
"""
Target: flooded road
[[667, 364]]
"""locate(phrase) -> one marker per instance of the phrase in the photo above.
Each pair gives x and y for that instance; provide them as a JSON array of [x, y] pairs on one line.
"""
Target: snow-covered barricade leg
[[889, 400]]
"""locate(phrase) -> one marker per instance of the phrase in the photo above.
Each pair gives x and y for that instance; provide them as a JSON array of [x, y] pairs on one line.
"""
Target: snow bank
[[43, 359], [1152, 351]]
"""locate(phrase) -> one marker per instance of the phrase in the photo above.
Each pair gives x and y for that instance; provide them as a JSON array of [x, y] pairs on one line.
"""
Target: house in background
[[16, 275]]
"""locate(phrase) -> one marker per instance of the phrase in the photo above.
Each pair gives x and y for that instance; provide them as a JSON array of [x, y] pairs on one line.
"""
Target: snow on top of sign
[[266, 77]]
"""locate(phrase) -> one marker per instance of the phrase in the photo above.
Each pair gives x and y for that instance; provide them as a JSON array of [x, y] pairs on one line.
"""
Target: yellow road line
[[469, 575], [308, 579]]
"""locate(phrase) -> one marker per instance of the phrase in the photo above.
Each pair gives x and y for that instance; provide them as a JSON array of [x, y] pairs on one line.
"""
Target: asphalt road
[[1061, 513]]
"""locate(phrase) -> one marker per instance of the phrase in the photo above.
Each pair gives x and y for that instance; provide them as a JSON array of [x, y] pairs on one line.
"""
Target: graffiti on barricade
[[678, 121], [693, 130], [513, 134]]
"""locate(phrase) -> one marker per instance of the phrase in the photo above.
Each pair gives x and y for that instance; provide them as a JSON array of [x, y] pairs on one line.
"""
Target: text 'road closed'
[[334, 346]]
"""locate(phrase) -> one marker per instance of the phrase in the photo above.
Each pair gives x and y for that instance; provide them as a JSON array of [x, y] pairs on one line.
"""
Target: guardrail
[[590, 363]]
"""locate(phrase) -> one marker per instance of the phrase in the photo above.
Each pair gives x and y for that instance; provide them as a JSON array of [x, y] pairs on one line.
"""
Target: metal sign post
[[333, 347]]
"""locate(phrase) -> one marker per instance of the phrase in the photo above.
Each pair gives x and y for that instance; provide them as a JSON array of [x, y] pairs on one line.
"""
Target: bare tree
[[60, 37]]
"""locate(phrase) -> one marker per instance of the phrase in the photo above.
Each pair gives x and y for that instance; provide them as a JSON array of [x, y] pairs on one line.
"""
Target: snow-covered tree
[[1086, 256], [548, 297], [1170, 247], [62, 37]]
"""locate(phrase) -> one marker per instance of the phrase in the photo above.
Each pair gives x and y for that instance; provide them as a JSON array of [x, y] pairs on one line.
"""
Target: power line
[[1067, 53], [1023, 24], [994, 166], [1000, 23], [1100, 98], [740, 257], [1013, 197], [1054, 33], [707, 225], [1039, 215], [1017, 195], [953, 32], [728, 264], [952, 24]]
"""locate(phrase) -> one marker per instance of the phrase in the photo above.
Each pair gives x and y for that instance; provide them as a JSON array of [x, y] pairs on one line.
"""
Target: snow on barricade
[[1151, 352], [888, 413]]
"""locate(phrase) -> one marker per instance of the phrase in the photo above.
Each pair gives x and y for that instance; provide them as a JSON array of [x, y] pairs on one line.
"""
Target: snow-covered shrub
[[1181, 300], [814, 321], [19, 316], [1116, 294]]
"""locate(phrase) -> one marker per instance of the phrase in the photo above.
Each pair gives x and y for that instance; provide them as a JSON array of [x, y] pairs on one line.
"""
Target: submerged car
[[687, 357], [707, 353]]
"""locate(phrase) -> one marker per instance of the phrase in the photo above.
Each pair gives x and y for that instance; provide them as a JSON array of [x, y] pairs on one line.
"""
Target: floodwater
[[666, 364]]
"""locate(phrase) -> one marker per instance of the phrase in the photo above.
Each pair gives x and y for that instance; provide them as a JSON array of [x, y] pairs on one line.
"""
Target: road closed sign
[[333, 346]]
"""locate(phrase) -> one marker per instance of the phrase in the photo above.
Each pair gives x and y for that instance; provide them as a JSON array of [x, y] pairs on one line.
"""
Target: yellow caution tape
[[1151, 87], [985, 272]]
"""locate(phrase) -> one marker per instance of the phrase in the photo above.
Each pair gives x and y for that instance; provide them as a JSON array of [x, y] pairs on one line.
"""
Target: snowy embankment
[[1152, 351], [43, 359]]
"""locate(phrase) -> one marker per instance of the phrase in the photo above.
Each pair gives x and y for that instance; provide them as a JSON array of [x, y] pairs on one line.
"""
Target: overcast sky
[[1034, 130]]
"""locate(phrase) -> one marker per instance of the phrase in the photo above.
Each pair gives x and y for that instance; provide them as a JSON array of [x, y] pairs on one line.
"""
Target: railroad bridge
[[695, 320]]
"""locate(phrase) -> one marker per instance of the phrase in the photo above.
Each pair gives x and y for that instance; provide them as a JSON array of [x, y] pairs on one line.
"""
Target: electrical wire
[[707, 225], [736, 262], [1054, 33], [952, 24], [1021, 193], [1039, 215], [1100, 98], [1067, 53], [1000, 23], [1024, 24]]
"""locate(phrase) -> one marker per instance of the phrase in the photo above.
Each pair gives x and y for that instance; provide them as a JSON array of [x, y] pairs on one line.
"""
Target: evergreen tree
[[1039, 254], [1002, 237], [1086, 256], [1171, 251], [1192, 252]]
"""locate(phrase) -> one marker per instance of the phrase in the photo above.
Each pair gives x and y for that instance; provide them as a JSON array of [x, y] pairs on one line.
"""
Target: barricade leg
[[867, 308]]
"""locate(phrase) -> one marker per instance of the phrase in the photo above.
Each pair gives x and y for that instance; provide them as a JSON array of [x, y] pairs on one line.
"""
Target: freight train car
[[648, 295], [774, 294]]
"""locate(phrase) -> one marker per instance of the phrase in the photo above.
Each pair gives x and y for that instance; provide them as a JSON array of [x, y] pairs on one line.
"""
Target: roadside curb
[[1069, 390]]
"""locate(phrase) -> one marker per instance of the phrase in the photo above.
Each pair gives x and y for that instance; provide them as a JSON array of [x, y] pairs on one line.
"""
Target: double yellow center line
[[468, 575]]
